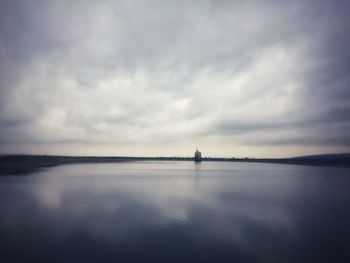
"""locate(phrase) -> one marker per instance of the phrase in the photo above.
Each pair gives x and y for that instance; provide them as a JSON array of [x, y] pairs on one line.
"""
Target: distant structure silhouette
[[197, 156]]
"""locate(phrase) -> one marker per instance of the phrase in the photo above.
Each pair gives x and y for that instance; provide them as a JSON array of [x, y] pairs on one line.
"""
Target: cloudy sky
[[150, 78]]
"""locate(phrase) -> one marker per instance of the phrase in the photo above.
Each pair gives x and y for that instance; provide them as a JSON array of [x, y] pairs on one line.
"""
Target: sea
[[176, 211]]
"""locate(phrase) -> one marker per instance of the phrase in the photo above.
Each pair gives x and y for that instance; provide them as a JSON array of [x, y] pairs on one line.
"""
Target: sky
[[158, 78]]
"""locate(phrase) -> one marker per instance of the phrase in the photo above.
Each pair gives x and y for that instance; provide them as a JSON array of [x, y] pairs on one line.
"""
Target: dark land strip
[[23, 164]]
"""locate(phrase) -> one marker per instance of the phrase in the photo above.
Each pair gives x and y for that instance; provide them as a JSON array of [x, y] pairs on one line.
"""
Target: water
[[176, 212]]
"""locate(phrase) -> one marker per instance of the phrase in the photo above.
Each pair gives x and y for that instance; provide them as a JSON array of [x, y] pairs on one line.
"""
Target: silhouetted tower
[[197, 156]]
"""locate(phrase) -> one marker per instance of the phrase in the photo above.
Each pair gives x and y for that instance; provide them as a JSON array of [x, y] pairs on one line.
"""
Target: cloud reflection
[[231, 212]]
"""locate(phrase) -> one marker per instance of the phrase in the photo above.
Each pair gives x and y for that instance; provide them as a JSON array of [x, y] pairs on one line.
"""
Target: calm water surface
[[176, 212]]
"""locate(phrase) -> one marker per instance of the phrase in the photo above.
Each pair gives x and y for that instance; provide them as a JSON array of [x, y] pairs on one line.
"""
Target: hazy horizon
[[158, 78]]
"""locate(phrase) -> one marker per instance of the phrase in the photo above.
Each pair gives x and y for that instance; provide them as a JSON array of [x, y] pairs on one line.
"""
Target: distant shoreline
[[23, 164]]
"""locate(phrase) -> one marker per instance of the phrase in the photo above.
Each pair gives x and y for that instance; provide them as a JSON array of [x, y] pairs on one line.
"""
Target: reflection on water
[[176, 212]]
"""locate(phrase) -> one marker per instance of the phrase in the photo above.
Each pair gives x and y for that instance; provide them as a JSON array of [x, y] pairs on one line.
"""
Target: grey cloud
[[158, 73]]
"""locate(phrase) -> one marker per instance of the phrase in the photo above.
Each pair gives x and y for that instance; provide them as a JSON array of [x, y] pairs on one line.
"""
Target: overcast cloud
[[236, 78]]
